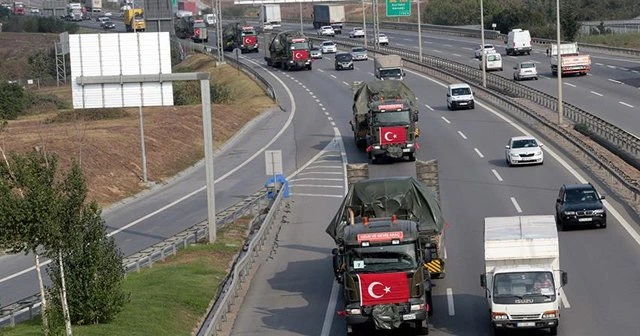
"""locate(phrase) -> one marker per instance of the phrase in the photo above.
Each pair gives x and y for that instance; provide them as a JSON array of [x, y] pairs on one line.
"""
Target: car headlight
[[513, 154], [569, 213], [598, 211], [538, 153]]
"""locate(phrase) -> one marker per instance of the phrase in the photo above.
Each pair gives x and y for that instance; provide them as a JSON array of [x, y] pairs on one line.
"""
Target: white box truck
[[329, 15], [270, 15], [518, 42], [523, 279], [388, 67]]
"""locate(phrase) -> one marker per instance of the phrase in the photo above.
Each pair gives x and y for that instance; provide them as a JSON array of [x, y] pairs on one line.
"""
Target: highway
[[611, 91], [292, 293]]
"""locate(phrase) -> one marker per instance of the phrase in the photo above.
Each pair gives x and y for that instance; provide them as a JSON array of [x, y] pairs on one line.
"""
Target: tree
[[93, 264], [42, 63], [569, 21], [12, 100]]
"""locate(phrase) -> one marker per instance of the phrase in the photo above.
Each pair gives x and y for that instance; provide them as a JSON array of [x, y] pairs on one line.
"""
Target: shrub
[[188, 93], [12, 100]]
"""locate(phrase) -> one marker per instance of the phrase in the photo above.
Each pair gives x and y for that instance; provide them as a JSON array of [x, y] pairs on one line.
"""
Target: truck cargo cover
[[405, 197], [367, 92]]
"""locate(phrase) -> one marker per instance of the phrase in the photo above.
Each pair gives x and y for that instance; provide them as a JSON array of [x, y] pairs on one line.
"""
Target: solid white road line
[[429, 107], [452, 309], [333, 76], [330, 313], [516, 205], [563, 299], [445, 120], [625, 104], [317, 195], [597, 94], [478, 152], [462, 135], [569, 84], [614, 81], [345, 83], [317, 186], [495, 173], [311, 173], [315, 179]]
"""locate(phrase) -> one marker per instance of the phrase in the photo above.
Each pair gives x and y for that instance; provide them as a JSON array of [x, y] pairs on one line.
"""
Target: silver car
[[359, 54], [525, 70], [316, 52]]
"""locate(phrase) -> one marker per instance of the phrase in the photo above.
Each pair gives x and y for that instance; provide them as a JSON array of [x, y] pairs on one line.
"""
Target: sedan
[[359, 54], [329, 47], [326, 31], [523, 150], [356, 32], [488, 49], [316, 52], [383, 39], [108, 25]]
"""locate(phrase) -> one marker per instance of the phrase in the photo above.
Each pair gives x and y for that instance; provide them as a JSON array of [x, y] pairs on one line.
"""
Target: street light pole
[[364, 24], [301, 26], [559, 66], [419, 32], [482, 50]]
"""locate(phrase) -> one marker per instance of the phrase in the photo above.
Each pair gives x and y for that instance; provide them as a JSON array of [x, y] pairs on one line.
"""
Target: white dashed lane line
[[462, 135], [611, 66], [478, 152], [345, 83], [445, 120], [450, 306], [600, 64], [429, 107], [438, 51], [569, 84], [614, 81], [333, 76], [320, 70], [495, 173], [516, 205], [625, 104], [597, 94]]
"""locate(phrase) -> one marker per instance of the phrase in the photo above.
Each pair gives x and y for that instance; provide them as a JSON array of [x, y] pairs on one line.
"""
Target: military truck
[[241, 36], [289, 50], [389, 234], [385, 116]]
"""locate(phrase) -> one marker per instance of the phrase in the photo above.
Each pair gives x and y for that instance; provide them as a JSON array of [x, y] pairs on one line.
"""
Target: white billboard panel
[[120, 54]]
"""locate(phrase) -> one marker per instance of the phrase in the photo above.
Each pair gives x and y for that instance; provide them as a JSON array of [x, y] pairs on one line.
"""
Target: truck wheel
[[430, 302], [553, 331], [421, 328], [411, 157], [309, 67], [498, 331]]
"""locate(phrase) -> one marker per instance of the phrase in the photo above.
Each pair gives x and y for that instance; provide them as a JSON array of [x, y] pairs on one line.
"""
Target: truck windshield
[[391, 73], [391, 118], [521, 284], [299, 45], [382, 258]]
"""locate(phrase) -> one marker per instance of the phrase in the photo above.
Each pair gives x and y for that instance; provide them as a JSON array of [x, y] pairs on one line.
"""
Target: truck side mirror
[[483, 281], [602, 197], [403, 73], [565, 277], [415, 117], [334, 251], [559, 200]]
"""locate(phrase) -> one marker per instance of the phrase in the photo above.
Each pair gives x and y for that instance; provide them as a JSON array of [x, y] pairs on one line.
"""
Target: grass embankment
[[627, 40], [170, 298]]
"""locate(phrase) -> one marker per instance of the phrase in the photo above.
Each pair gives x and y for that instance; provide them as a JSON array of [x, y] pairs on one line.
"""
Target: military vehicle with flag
[[389, 234], [241, 36], [385, 116], [289, 50]]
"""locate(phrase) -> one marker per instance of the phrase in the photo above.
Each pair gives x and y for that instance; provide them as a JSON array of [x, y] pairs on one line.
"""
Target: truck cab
[[380, 268]]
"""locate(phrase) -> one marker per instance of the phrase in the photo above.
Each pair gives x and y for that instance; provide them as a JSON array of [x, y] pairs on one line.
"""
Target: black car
[[578, 205], [108, 25], [344, 61]]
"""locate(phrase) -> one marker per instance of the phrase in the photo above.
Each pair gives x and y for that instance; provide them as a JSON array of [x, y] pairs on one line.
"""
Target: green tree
[[13, 100], [42, 63], [569, 21]]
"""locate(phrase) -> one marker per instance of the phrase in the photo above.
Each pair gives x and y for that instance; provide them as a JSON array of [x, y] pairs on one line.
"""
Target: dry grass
[[14, 49], [109, 150]]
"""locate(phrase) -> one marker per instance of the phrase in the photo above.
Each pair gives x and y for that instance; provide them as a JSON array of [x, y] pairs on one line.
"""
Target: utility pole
[[559, 67], [483, 58]]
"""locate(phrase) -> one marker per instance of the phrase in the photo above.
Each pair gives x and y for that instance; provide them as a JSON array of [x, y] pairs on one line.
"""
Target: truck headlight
[[354, 312], [499, 316], [409, 145], [417, 307], [550, 314]]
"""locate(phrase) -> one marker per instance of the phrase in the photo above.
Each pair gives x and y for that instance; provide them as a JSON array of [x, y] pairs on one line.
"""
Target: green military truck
[[240, 35], [289, 50], [389, 234], [385, 116]]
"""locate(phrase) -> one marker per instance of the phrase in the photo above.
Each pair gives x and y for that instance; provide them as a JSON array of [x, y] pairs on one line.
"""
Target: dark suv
[[343, 61], [580, 204]]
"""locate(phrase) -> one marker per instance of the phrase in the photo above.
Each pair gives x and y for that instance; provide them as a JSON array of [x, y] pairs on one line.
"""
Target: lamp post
[[559, 66], [301, 25], [482, 51], [419, 32], [364, 24]]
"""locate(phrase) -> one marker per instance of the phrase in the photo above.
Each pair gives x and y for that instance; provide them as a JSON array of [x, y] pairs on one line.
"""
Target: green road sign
[[398, 7]]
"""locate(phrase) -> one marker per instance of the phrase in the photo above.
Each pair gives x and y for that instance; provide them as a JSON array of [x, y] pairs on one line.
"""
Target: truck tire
[[309, 67], [411, 157], [553, 330], [421, 328], [429, 296]]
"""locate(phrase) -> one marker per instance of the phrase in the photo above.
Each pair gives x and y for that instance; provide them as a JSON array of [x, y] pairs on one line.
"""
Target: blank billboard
[[120, 54]]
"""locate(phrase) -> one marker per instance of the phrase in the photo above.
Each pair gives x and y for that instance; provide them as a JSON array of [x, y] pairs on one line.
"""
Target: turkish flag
[[249, 40], [393, 135], [383, 288]]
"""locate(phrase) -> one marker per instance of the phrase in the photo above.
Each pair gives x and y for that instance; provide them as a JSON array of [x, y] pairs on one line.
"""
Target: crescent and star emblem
[[386, 136], [298, 55], [386, 289]]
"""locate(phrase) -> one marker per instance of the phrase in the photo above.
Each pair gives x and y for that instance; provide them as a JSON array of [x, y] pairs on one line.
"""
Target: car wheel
[[553, 331], [561, 225], [411, 157], [449, 107], [536, 78], [472, 106], [603, 225]]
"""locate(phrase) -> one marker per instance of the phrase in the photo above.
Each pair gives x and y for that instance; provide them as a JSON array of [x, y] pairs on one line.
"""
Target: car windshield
[[299, 45], [328, 44], [315, 49], [248, 33], [527, 65], [382, 35], [343, 57], [382, 258], [391, 118], [493, 57], [521, 284], [526, 143], [358, 50], [581, 195], [391, 73], [461, 91]]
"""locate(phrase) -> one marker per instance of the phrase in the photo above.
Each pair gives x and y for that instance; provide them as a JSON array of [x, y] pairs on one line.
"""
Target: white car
[[488, 49], [523, 150], [326, 31], [356, 32], [267, 26], [525, 70], [460, 96], [383, 39], [329, 47]]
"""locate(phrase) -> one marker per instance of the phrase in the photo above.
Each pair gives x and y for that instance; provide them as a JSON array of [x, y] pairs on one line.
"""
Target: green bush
[[35, 103], [13, 100], [188, 93], [34, 24], [42, 63]]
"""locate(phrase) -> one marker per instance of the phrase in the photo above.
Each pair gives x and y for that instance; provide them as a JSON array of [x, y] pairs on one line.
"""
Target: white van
[[518, 42], [493, 61], [460, 96]]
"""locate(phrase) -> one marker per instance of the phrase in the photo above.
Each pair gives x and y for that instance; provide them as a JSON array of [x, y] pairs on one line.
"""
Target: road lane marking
[[545, 77], [516, 205], [478, 152], [429, 107], [316, 179], [320, 70], [467, 48], [611, 66], [312, 173], [370, 73], [325, 111], [320, 104], [438, 51], [623, 69], [563, 299], [457, 55], [317, 185], [330, 118], [495, 173], [614, 81], [625, 104], [317, 195], [333, 123], [569, 84], [445, 120], [599, 64], [345, 83], [462, 135], [304, 87], [614, 212], [450, 306], [333, 76], [597, 94]]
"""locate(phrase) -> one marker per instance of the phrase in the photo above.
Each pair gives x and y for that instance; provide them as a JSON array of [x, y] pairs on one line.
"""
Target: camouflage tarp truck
[[389, 234], [289, 50], [385, 116], [241, 36]]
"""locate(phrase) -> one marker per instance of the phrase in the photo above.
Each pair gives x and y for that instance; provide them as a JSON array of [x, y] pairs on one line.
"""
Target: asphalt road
[[611, 91], [292, 294]]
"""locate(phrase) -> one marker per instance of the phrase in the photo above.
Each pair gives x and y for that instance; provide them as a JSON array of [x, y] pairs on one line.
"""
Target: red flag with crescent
[[383, 288], [300, 55], [249, 40], [393, 135], [197, 32]]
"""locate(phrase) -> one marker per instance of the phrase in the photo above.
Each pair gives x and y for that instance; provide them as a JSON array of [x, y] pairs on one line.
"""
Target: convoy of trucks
[[388, 67], [134, 20], [385, 116], [572, 62], [240, 35], [270, 15], [289, 50], [329, 15], [388, 231], [522, 278]]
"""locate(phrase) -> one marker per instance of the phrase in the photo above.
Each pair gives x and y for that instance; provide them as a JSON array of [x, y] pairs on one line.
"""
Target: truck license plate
[[409, 317], [526, 324], [588, 219], [406, 150]]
